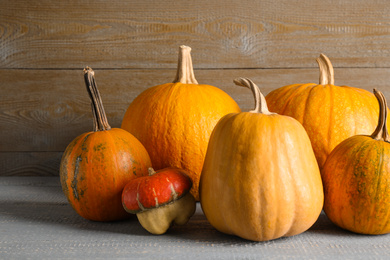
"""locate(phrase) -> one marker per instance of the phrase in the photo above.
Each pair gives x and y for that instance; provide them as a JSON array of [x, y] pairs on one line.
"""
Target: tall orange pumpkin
[[97, 165], [260, 178], [174, 120], [329, 113], [356, 179]]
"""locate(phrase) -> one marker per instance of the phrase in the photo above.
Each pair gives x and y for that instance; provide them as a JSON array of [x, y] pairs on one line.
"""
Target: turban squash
[[260, 179], [161, 199]]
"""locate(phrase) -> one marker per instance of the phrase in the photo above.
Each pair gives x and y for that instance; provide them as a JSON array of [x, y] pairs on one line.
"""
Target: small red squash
[[356, 178], [97, 165], [160, 199]]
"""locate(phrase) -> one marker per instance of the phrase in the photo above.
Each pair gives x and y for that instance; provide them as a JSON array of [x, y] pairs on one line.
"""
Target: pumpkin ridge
[[306, 107], [361, 156], [112, 146], [378, 178], [388, 211], [69, 153], [296, 89], [81, 141], [330, 118]]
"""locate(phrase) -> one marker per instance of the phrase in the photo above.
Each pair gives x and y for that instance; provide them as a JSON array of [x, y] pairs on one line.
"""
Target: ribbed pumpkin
[[329, 113], [260, 179], [356, 179], [174, 120], [97, 165]]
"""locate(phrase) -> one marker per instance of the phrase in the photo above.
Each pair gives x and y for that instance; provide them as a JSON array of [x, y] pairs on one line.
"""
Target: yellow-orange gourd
[[174, 120], [356, 179], [260, 179], [329, 113]]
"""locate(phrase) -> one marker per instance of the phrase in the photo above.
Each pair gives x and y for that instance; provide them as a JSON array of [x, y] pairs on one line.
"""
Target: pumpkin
[[260, 179], [97, 165], [174, 121], [161, 199], [329, 113], [356, 178]]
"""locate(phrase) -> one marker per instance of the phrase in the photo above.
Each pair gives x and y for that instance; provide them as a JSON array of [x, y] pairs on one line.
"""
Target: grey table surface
[[36, 222]]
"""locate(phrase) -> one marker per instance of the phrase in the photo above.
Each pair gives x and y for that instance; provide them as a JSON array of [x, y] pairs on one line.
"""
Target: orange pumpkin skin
[[329, 113], [356, 178], [260, 179], [174, 122], [95, 168]]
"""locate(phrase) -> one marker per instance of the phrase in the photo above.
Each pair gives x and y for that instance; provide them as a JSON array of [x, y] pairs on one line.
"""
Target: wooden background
[[133, 45]]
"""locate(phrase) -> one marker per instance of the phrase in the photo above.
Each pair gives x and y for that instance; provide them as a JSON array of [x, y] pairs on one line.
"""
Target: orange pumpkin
[[174, 120], [260, 178], [97, 165], [329, 113], [356, 179]]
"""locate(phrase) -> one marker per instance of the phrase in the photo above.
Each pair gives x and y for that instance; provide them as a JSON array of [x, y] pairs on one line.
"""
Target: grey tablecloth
[[36, 222]]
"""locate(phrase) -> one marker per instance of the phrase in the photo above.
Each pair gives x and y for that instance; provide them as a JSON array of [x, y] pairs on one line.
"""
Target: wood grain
[[133, 45], [43, 110], [223, 34], [30, 163]]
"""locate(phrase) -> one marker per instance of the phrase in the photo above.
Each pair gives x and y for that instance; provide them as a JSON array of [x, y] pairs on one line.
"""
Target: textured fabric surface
[[36, 222]]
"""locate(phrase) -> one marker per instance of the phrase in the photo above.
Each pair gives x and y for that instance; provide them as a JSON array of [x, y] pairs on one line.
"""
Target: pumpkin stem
[[326, 70], [99, 115], [185, 72], [260, 102], [381, 132]]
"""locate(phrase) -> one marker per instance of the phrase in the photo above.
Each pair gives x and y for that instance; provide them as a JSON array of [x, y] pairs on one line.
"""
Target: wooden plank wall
[[132, 45]]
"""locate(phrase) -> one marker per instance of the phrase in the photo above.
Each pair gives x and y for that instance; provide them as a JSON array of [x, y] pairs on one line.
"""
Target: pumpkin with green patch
[[356, 179], [97, 165]]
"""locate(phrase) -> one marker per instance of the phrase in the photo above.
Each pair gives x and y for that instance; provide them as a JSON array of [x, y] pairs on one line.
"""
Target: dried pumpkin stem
[[381, 132], [99, 115], [260, 102], [185, 72], [326, 70]]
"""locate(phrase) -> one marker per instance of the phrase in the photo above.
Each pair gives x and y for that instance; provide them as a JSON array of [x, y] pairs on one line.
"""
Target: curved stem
[[381, 132], [326, 70], [185, 72], [99, 115], [260, 102]]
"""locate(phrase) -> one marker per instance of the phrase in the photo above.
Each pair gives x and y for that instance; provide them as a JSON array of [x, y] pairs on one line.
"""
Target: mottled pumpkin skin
[[329, 113], [356, 179], [153, 191], [260, 179], [95, 168], [174, 122]]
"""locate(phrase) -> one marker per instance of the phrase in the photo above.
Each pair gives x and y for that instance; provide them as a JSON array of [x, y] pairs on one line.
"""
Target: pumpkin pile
[[260, 175]]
